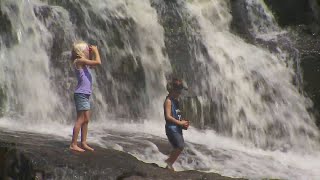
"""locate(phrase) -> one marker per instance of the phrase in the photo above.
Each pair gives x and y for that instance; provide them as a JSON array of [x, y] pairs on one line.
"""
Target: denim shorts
[[175, 138], [82, 101]]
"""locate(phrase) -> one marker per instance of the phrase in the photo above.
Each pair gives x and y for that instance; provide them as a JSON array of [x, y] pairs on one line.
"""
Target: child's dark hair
[[175, 85]]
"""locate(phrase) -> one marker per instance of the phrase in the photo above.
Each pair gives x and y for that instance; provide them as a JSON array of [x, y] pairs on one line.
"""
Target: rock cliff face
[[30, 156], [292, 12]]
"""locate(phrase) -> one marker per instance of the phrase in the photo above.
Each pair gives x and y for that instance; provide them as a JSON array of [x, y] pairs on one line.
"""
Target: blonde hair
[[78, 49]]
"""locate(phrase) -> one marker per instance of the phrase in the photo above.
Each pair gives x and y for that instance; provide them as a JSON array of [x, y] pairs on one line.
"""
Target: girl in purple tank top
[[81, 52]]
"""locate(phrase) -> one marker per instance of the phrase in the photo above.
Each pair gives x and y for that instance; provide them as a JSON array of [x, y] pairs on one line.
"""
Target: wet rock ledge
[[34, 156]]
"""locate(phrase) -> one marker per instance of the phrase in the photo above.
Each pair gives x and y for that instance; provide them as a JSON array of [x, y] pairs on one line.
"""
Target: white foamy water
[[150, 43], [25, 71], [265, 130], [262, 20], [261, 103], [205, 150]]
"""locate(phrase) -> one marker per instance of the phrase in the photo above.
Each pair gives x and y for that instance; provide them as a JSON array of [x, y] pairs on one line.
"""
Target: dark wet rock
[[306, 40], [308, 45], [31, 156], [6, 33], [200, 115], [3, 101], [315, 6], [289, 12], [192, 111], [177, 32], [182, 41], [240, 22]]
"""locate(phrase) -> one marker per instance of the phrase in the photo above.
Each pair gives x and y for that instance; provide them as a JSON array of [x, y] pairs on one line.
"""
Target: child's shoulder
[[167, 100]]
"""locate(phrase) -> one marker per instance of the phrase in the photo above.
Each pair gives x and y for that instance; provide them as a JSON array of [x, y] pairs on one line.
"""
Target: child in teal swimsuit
[[174, 123]]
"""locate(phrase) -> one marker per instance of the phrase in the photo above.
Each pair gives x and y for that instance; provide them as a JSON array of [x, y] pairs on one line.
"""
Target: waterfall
[[249, 118], [150, 50], [253, 86], [261, 19], [132, 77], [25, 69]]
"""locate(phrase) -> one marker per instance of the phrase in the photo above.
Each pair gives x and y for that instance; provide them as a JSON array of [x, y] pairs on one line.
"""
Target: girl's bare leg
[[84, 131], [80, 120]]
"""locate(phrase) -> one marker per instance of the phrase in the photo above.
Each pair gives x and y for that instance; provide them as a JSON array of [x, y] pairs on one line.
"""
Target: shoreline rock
[[36, 156]]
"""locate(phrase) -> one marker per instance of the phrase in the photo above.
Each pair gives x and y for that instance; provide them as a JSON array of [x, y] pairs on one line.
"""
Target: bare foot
[[86, 147], [76, 148], [169, 166]]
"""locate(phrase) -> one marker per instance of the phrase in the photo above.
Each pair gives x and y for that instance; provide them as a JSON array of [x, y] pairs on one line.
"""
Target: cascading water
[[261, 19], [139, 51], [260, 102], [150, 41], [257, 122], [25, 71], [264, 29]]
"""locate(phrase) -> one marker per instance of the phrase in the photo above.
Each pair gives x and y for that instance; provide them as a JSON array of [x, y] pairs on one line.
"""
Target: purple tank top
[[84, 80]]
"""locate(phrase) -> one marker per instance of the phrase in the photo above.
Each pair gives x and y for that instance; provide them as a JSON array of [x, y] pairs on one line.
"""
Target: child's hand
[[183, 123], [186, 126], [93, 48]]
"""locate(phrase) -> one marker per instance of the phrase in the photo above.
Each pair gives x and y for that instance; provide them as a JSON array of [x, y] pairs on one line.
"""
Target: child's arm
[[168, 116], [94, 62], [96, 54]]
